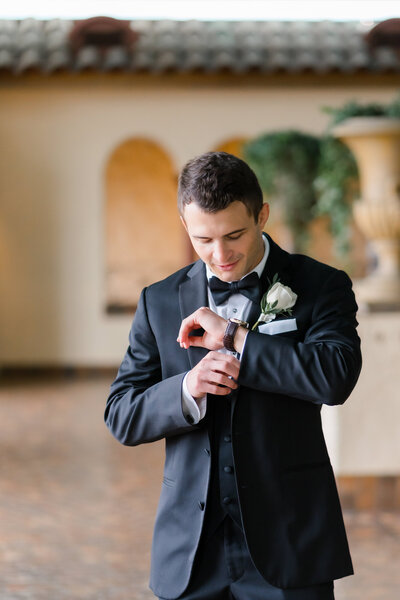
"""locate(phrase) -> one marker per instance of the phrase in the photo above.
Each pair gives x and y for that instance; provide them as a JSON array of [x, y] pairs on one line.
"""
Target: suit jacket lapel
[[277, 262], [193, 295]]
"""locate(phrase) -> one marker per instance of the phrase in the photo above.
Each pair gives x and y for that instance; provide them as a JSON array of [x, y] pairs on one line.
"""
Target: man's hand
[[214, 374], [214, 328]]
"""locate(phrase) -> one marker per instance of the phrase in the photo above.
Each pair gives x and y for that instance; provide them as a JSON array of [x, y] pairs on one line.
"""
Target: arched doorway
[[144, 237]]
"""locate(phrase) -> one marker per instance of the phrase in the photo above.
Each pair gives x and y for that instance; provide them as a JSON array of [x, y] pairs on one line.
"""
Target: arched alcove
[[232, 146], [144, 237]]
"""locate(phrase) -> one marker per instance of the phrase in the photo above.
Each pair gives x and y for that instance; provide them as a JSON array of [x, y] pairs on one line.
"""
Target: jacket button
[[201, 505], [227, 500], [227, 438], [206, 450], [228, 469]]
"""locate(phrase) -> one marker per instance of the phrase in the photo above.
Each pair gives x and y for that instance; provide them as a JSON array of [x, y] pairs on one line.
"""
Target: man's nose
[[221, 253]]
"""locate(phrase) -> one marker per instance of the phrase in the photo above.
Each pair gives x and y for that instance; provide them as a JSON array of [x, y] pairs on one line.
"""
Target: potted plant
[[306, 176], [286, 163], [372, 132]]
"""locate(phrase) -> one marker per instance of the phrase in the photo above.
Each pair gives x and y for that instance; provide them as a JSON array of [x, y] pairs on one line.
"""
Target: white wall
[[55, 142], [363, 435]]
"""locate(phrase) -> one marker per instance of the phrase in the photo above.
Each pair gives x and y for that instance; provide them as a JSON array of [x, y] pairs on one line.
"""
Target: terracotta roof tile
[[207, 46]]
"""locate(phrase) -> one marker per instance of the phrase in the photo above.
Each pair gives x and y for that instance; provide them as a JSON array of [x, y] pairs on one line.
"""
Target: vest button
[[206, 450], [227, 500], [201, 505], [227, 438], [228, 469]]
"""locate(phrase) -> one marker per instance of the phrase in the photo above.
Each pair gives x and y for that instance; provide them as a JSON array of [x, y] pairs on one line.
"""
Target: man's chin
[[228, 274]]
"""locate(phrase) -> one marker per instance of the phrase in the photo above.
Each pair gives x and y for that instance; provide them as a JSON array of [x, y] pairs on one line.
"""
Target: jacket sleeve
[[323, 368], [143, 407]]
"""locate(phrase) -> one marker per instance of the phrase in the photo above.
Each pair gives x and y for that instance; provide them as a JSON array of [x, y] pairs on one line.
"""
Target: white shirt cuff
[[194, 409]]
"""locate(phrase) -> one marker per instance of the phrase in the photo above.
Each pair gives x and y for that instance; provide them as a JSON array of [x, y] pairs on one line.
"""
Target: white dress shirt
[[237, 306]]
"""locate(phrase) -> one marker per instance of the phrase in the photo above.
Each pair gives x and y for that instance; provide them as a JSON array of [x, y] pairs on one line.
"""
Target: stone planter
[[375, 143]]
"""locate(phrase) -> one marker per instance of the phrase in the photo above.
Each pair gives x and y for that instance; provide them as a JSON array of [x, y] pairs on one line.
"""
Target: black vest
[[222, 494]]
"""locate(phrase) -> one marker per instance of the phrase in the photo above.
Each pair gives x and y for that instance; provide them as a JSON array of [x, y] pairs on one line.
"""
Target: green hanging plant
[[286, 165], [355, 109], [336, 185], [309, 176], [313, 176]]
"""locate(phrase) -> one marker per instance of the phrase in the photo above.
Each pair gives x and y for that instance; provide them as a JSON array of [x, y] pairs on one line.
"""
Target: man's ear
[[263, 215]]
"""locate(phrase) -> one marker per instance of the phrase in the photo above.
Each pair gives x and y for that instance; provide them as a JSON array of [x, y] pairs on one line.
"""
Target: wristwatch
[[230, 331]]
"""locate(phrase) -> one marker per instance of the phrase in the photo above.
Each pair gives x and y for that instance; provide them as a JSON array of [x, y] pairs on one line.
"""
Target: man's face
[[228, 241]]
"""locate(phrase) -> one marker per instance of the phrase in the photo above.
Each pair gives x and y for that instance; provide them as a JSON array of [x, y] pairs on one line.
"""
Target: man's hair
[[216, 179]]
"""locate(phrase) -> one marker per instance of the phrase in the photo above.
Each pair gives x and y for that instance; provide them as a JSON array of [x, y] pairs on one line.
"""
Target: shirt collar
[[258, 269]]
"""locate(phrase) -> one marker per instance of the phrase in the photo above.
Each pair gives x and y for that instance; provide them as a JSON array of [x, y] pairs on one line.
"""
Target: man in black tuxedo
[[249, 508]]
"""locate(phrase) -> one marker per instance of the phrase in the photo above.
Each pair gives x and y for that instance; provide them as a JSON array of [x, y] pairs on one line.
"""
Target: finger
[[222, 379], [221, 362], [189, 323], [199, 318], [226, 367], [217, 390], [187, 326], [221, 356], [197, 340]]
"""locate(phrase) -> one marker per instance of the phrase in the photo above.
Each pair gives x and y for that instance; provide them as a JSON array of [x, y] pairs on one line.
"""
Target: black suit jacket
[[288, 499]]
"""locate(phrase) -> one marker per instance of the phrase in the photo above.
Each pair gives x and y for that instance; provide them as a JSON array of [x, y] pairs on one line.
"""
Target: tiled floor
[[76, 508]]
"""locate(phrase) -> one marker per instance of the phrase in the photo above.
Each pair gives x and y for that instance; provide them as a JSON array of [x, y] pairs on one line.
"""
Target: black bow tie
[[249, 286]]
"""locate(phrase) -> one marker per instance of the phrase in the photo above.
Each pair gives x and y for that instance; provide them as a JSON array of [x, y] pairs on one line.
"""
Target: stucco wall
[[55, 142], [363, 434]]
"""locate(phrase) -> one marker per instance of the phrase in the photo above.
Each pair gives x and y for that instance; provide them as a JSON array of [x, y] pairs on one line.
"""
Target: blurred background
[[101, 104]]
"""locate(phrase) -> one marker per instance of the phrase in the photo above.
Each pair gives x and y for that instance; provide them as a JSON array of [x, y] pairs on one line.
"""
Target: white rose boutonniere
[[277, 299]]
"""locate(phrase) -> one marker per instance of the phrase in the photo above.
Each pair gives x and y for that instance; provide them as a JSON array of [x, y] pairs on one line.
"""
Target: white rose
[[283, 295]]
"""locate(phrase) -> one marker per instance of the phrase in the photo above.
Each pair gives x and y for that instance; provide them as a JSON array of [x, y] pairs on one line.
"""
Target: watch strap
[[230, 331], [229, 335]]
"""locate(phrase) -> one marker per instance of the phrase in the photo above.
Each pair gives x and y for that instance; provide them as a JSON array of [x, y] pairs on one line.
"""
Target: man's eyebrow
[[206, 237]]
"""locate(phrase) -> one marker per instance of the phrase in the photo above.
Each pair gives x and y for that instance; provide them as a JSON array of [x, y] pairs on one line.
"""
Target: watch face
[[239, 322]]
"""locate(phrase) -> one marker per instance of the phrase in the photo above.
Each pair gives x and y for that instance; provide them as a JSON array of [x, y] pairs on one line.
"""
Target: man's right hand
[[214, 374]]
